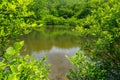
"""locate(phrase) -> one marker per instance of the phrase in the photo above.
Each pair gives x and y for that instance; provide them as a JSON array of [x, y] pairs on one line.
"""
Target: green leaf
[[12, 67], [9, 52], [20, 67], [2, 32], [2, 65], [18, 45], [13, 77]]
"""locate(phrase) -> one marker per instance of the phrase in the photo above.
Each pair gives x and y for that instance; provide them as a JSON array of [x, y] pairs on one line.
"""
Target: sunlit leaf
[[2, 65], [9, 52], [18, 45], [13, 77]]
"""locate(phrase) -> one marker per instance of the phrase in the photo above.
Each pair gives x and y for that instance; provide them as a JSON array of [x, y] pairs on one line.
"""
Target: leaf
[[20, 1], [34, 24], [12, 50], [13, 7], [18, 45], [2, 65], [9, 52], [2, 32], [27, 57], [12, 67], [13, 77], [20, 67]]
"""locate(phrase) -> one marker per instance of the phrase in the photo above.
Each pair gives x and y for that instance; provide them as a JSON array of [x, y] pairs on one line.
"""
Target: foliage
[[15, 67], [85, 69], [15, 20], [97, 21], [60, 11], [52, 20], [100, 35], [39, 7]]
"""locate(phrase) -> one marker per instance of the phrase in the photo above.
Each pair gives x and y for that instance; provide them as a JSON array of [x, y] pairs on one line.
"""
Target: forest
[[95, 24]]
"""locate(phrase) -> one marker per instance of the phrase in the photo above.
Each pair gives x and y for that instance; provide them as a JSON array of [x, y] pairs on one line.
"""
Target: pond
[[55, 48]]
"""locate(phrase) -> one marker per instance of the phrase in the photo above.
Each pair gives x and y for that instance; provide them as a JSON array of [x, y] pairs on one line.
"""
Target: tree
[[14, 20], [100, 35]]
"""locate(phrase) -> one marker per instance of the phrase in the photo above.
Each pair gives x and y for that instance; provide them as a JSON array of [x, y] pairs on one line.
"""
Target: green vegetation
[[15, 20], [100, 37], [85, 69], [15, 67], [95, 22]]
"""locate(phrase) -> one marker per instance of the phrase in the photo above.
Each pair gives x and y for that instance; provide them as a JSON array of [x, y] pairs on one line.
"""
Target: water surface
[[55, 49]]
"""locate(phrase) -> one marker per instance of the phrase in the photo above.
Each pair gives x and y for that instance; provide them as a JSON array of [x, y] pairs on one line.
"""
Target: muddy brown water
[[54, 49]]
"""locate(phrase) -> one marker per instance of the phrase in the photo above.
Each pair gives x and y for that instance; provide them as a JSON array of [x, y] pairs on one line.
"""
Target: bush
[[71, 21], [100, 35], [85, 69], [15, 67], [52, 20]]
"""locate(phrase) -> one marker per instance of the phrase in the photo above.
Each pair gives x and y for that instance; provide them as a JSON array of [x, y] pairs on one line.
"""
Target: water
[[55, 49], [59, 63]]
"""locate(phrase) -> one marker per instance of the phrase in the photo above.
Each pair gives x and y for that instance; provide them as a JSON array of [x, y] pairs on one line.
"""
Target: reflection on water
[[55, 49], [56, 57]]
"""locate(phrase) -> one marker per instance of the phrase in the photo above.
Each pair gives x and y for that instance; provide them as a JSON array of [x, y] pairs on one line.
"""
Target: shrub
[[52, 20], [85, 69], [100, 35], [15, 67]]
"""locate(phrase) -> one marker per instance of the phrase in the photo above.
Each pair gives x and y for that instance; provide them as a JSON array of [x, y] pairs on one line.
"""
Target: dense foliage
[[15, 67], [85, 69], [98, 27], [62, 12], [100, 36], [15, 20]]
